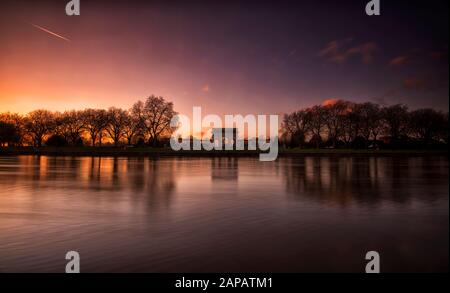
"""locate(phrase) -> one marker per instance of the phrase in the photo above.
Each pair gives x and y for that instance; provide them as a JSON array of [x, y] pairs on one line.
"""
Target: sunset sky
[[228, 57]]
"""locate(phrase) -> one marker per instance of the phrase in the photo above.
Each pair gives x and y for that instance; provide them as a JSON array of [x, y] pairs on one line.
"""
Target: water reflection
[[224, 168], [223, 214], [368, 180]]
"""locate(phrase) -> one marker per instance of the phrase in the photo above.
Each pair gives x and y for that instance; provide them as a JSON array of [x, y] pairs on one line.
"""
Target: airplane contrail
[[50, 32]]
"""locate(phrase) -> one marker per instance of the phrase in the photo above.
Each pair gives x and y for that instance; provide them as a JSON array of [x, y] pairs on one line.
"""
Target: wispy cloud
[[416, 83], [341, 51], [333, 52], [399, 61], [365, 51], [50, 32], [419, 56]]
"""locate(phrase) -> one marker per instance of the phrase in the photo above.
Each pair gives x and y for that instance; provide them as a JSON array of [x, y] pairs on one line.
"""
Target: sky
[[229, 57]]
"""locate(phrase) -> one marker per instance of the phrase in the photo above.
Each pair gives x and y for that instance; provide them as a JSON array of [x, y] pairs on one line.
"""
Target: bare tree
[[19, 124], [157, 116], [116, 123], [396, 120], [370, 120], [426, 124], [352, 124], [135, 125], [70, 125], [295, 127], [317, 122], [8, 134], [95, 121], [334, 115], [38, 125]]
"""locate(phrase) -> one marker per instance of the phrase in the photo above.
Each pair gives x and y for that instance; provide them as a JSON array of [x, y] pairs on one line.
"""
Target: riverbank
[[163, 152]]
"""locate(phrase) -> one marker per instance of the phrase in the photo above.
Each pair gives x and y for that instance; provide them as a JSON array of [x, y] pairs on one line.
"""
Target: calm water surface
[[309, 214]]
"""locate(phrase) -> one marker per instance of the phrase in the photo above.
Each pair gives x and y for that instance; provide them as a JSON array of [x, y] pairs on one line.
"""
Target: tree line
[[341, 124], [344, 124], [146, 123]]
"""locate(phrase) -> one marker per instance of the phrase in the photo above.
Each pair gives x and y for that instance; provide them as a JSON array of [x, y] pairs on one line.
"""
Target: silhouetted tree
[[157, 115], [295, 127], [316, 122], [95, 121], [56, 140], [135, 127], [70, 125], [39, 124], [357, 124], [426, 124], [18, 122], [116, 122], [8, 134], [334, 115], [396, 119], [369, 121]]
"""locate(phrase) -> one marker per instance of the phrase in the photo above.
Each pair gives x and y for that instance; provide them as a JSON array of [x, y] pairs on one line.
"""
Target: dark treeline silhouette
[[340, 124], [343, 124], [146, 123]]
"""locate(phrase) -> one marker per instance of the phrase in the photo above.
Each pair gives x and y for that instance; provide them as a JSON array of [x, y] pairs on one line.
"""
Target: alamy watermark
[[373, 8], [262, 133], [73, 7], [373, 266], [73, 264]]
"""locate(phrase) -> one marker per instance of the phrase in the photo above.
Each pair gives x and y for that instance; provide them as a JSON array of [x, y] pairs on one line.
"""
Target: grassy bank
[[149, 152]]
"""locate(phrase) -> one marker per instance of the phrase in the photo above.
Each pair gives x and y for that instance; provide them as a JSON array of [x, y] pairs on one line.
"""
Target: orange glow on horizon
[[330, 102]]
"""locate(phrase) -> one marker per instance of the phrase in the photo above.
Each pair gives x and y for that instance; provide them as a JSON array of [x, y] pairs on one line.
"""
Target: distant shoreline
[[165, 152]]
